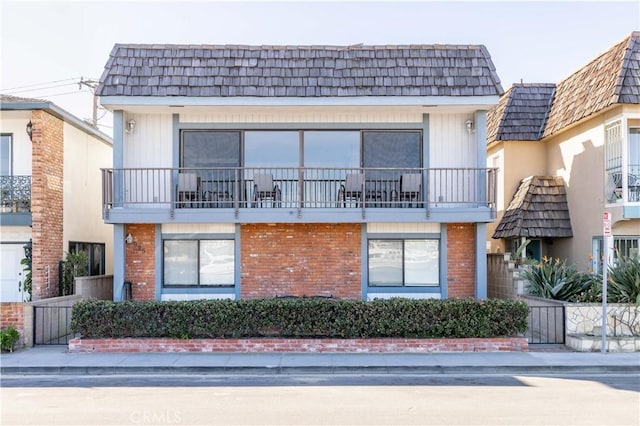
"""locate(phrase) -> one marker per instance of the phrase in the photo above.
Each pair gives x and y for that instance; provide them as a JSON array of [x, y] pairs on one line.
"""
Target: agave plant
[[554, 279], [624, 280]]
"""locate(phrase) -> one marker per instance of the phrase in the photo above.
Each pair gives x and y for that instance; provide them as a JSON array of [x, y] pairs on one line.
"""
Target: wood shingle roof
[[612, 78], [538, 209], [521, 113], [299, 71]]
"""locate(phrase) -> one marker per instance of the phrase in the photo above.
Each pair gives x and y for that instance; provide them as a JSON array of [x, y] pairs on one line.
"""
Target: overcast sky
[[54, 43]]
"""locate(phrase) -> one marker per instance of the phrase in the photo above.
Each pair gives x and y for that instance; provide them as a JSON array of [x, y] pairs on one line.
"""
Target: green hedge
[[301, 318]]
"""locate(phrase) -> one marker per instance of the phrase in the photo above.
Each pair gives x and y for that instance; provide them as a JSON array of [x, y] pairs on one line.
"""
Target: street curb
[[271, 370]]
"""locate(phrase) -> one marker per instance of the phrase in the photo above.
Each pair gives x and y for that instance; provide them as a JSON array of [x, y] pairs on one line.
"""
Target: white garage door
[[11, 274]]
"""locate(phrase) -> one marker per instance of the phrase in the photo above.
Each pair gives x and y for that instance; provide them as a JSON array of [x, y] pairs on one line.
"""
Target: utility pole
[[91, 84]]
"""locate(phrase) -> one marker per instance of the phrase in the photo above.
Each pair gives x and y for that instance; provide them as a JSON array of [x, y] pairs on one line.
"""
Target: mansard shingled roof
[[612, 78], [521, 113], [299, 71], [538, 209]]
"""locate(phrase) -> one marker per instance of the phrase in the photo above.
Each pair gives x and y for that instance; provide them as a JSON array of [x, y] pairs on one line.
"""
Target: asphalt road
[[321, 400]]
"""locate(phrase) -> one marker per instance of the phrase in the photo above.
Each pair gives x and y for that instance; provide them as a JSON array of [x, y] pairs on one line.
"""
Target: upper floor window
[[201, 149], [6, 142], [634, 151], [294, 148]]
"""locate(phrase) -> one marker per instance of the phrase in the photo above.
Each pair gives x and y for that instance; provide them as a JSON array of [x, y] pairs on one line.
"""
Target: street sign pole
[[608, 240]]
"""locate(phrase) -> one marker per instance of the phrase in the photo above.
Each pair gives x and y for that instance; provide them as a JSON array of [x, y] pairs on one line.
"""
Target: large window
[[197, 263], [332, 149], [271, 149], [403, 262], [210, 149], [5, 155], [95, 253], [280, 148], [391, 149]]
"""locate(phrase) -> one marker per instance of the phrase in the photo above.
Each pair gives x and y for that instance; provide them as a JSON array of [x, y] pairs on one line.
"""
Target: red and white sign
[[606, 224]]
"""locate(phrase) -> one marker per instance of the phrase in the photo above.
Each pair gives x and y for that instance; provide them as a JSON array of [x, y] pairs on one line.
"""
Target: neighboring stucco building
[[49, 194], [333, 171], [581, 139]]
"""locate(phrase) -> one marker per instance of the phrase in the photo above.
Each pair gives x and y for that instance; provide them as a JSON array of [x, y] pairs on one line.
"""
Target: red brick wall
[[461, 259], [301, 260], [46, 203], [506, 344], [140, 260], [12, 314]]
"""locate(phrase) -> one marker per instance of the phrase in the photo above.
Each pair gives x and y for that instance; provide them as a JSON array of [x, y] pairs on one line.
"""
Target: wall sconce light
[[30, 130], [129, 239], [469, 125], [130, 126]]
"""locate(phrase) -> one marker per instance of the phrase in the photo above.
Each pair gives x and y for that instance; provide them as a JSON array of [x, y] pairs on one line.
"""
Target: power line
[[39, 89], [39, 84]]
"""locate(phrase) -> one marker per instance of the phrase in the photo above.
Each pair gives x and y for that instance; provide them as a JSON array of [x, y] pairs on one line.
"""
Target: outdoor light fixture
[[129, 239], [30, 130], [469, 125], [131, 125]]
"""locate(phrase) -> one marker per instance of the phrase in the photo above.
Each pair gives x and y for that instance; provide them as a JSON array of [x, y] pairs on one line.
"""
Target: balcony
[[247, 195], [15, 200], [623, 189]]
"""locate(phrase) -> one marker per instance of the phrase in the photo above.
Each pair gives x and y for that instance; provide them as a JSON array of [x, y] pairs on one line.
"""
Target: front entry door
[[11, 273]]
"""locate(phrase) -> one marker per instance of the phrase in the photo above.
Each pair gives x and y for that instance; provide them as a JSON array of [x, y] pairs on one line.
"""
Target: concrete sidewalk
[[53, 360]]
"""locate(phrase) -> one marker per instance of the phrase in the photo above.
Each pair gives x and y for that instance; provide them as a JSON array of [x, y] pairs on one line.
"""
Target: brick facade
[[461, 260], [301, 260], [47, 203], [513, 344], [140, 260], [12, 314]]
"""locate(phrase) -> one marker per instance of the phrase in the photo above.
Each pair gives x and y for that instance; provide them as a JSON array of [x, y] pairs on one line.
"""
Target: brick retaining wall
[[515, 344]]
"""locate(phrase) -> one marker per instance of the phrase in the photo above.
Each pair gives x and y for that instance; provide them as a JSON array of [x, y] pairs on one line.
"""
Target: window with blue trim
[[403, 262], [199, 263]]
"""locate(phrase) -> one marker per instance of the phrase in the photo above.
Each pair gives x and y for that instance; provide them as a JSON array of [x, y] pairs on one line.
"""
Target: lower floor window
[[95, 255], [199, 262], [408, 262], [625, 246]]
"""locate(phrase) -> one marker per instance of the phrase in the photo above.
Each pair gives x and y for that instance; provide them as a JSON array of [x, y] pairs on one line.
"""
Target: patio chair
[[352, 189], [265, 190], [187, 189], [410, 187]]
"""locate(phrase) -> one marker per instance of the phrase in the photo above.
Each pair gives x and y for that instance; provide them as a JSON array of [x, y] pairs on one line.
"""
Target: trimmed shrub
[[301, 318]]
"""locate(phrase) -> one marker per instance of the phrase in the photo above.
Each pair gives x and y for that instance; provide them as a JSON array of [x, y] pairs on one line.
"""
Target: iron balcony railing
[[623, 186], [15, 194], [298, 187]]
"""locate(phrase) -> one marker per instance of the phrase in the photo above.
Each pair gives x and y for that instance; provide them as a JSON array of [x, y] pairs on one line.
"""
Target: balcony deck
[[15, 200], [282, 195]]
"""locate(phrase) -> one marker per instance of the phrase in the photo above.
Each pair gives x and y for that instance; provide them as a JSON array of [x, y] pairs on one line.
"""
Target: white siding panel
[[198, 228], [403, 228], [301, 115], [151, 143], [450, 145]]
